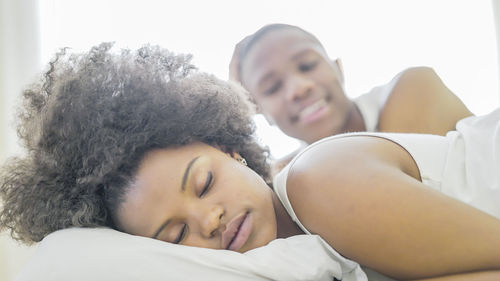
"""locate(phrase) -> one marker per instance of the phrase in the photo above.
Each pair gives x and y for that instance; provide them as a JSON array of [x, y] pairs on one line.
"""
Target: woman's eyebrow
[[186, 173], [183, 187]]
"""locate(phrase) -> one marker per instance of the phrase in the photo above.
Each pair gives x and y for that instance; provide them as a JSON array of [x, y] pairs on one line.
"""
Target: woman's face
[[296, 85], [197, 195]]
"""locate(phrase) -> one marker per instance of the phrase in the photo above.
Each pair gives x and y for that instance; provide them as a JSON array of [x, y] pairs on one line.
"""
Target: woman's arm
[[475, 276], [363, 196], [421, 103]]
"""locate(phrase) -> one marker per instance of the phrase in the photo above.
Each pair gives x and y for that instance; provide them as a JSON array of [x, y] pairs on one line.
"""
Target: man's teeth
[[312, 108]]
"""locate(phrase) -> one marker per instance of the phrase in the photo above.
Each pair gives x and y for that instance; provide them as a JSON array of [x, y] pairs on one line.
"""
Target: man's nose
[[299, 87]]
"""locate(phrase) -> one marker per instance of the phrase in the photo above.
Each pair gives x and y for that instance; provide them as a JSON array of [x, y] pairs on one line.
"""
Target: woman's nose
[[299, 87], [210, 223]]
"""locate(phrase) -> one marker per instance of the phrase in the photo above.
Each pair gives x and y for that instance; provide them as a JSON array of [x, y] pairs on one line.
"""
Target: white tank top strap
[[428, 151]]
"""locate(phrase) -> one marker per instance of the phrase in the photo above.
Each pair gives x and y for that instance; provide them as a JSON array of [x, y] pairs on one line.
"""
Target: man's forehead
[[274, 50], [288, 38]]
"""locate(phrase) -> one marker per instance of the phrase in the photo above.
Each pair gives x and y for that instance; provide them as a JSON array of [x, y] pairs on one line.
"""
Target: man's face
[[295, 85]]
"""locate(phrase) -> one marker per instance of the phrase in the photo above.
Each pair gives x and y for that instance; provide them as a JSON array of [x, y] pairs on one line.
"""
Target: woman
[[137, 142]]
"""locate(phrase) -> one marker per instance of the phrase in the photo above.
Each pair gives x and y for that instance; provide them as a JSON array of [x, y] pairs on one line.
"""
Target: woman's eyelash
[[181, 235], [207, 185]]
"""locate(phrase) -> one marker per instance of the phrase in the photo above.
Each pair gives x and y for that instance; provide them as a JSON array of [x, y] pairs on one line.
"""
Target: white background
[[374, 39]]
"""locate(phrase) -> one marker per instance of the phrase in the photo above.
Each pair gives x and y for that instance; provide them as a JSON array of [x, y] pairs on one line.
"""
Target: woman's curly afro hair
[[93, 116]]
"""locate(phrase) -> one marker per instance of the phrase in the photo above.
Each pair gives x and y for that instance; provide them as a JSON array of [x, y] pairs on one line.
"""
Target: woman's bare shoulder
[[337, 160], [335, 172], [353, 192]]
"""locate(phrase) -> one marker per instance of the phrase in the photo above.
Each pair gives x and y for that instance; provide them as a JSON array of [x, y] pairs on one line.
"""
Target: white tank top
[[464, 164]]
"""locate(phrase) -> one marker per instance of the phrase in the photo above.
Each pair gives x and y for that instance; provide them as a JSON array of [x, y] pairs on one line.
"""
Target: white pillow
[[83, 254]]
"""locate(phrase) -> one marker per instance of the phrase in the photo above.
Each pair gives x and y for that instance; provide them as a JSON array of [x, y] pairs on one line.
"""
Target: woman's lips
[[237, 232]]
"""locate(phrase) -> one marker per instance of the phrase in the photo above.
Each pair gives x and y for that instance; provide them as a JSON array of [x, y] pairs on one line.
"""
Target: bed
[[80, 254]]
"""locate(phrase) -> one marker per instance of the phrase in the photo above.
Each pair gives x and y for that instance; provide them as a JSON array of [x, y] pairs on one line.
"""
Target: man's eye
[[273, 89], [208, 184], [181, 235], [308, 66]]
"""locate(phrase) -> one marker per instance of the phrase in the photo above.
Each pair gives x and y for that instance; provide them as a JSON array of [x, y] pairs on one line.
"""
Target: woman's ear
[[236, 156], [228, 151], [233, 154], [224, 149]]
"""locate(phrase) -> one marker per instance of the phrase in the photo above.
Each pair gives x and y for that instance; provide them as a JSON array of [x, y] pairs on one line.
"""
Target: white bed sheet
[[79, 254]]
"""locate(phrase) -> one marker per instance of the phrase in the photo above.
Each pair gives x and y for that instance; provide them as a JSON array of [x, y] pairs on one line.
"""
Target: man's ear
[[337, 63]]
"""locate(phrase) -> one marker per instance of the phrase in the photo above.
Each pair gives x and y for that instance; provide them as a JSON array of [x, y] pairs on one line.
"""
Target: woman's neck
[[285, 225]]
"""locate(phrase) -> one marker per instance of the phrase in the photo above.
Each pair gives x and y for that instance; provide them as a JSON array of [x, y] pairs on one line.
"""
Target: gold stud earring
[[242, 161]]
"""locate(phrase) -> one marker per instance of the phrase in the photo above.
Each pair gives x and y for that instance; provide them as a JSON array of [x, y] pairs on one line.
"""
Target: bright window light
[[374, 39]]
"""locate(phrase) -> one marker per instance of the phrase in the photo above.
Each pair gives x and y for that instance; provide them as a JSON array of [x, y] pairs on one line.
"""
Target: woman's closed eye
[[181, 235], [207, 185], [185, 229]]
